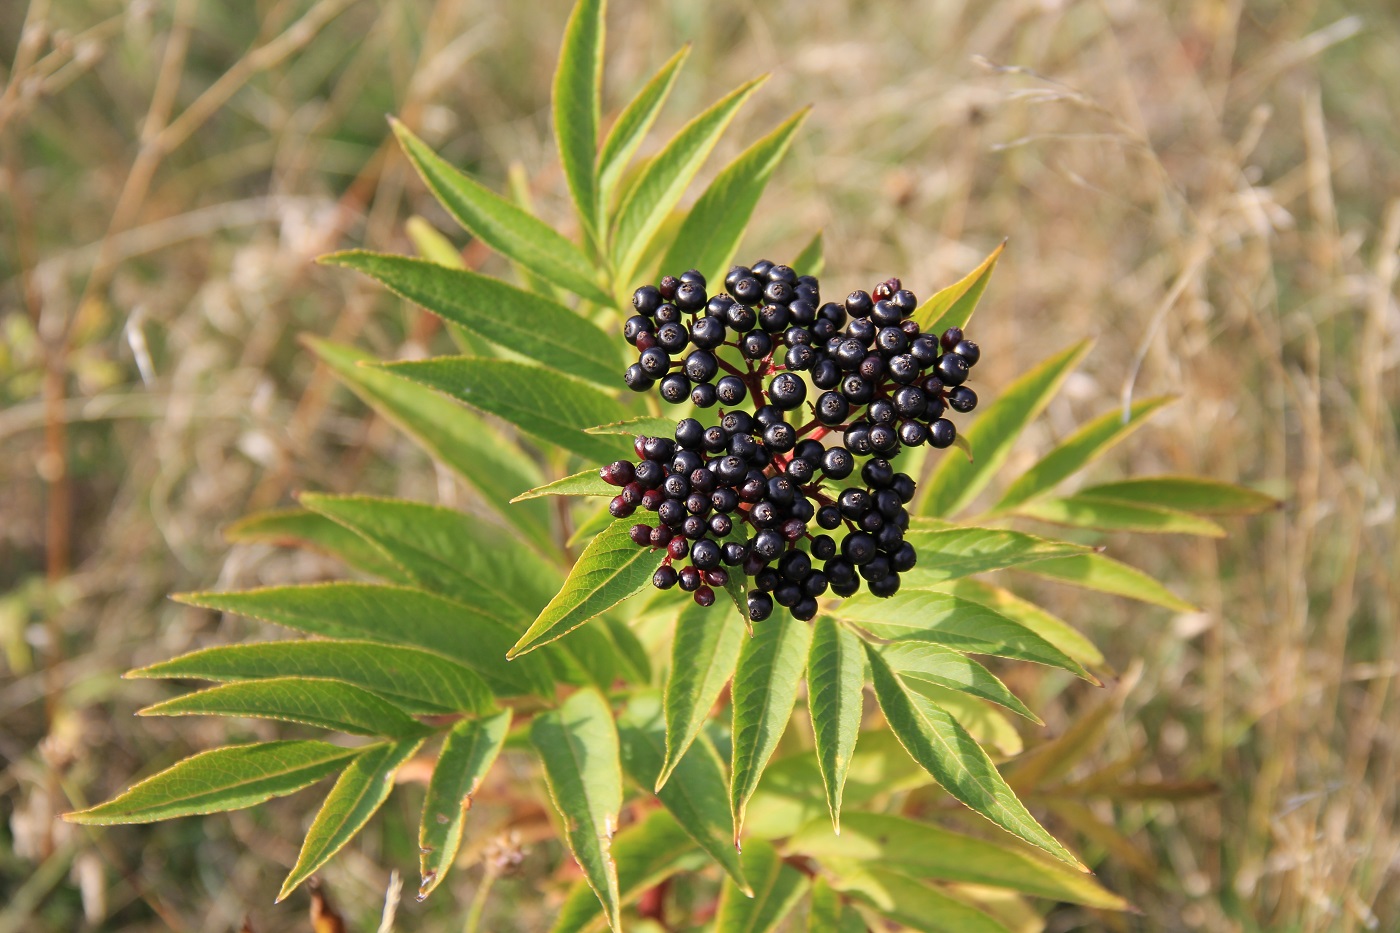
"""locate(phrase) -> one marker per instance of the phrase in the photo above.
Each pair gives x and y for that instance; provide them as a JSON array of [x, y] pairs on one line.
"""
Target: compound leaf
[[304, 528], [1187, 494], [578, 81], [633, 123], [923, 662], [1098, 572], [1083, 511], [951, 553], [704, 652]]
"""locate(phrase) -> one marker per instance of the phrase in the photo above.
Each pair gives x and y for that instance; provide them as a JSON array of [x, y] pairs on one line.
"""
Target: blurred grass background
[[1210, 187]]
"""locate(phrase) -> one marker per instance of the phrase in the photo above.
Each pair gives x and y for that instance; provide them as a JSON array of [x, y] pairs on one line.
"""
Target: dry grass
[[1211, 189]]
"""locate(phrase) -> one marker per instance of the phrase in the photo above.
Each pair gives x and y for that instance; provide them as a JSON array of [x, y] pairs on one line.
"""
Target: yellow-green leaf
[[467, 754], [578, 81], [1102, 573], [835, 698], [1083, 511], [777, 887], [704, 651], [631, 126], [953, 306], [1186, 493]]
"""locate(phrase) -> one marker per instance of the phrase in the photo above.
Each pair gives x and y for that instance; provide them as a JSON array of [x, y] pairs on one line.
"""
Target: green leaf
[[458, 438], [951, 553], [777, 887], [710, 233], [429, 243], [632, 124], [954, 759], [303, 528], [1186, 493], [953, 306], [811, 260], [221, 779], [922, 662], [925, 850], [611, 569], [992, 729], [696, 794], [578, 747], [583, 483], [633, 427], [467, 754], [956, 481], [393, 615], [792, 792], [827, 913], [913, 904], [1083, 511], [326, 704], [450, 553], [765, 690], [545, 405], [1050, 627], [412, 680], [578, 81], [704, 651], [932, 616], [359, 791], [1079, 449], [1097, 572], [520, 321], [647, 853], [510, 231], [665, 178], [835, 698]]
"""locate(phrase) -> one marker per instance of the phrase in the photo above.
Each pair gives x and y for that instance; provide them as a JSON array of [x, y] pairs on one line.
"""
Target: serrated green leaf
[[450, 553], [696, 793], [583, 483], [467, 754], [1186, 493], [811, 261], [326, 704], [913, 904], [611, 569], [924, 662], [953, 306], [463, 441], [632, 124], [710, 233], [303, 528], [412, 680], [1083, 511], [777, 887], [704, 651], [925, 850], [956, 481], [954, 759], [952, 553], [393, 615], [578, 81], [1097, 572], [992, 729], [664, 179], [545, 405], [765, 689], [510, 231], [577, 744], [229, 778], [1050, 627], [523, 322], [835, 698], [647, 853], [634, 427], [828, 914], [1078, 450], [359, 791], [943, 619]]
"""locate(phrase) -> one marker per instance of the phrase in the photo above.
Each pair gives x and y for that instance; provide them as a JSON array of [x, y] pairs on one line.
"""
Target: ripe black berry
[[962, 398]]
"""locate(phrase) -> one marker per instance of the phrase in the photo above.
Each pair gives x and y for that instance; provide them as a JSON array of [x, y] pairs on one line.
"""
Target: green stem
[[488, 878]]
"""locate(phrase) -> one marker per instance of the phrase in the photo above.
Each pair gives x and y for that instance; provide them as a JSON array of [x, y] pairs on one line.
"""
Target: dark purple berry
[[665, 577], [690, 579], [942, 433], [962, 399], [760, 606], [951, 337], [675, 387]]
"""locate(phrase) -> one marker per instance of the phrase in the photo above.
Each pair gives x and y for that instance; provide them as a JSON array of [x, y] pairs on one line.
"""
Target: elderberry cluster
[[743, 492]]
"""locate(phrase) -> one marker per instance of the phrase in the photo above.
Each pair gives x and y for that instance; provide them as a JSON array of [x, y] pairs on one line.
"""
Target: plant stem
[[488, 878]]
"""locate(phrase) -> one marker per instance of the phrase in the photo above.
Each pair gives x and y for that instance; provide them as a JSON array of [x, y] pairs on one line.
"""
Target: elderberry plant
[[464, 638]]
